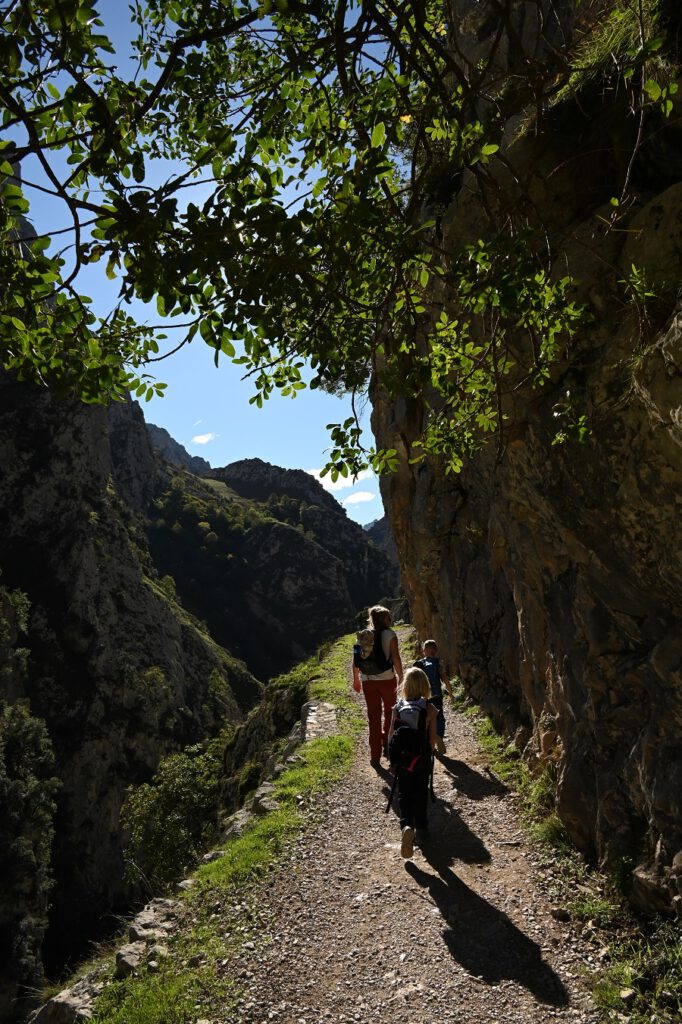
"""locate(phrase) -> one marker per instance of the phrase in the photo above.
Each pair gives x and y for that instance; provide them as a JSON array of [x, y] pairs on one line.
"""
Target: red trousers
[[379, 693]]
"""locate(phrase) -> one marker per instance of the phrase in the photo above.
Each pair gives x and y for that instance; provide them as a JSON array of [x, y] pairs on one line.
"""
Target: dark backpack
[[431, 667], [408, 747], [371, 660]]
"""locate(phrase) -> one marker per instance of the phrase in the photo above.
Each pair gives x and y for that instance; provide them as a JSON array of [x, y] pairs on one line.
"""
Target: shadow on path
[[482, 939], [469, 782], [451, 834]]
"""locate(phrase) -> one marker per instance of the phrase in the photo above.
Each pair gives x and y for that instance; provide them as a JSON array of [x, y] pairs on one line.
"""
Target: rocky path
[[352, 934]]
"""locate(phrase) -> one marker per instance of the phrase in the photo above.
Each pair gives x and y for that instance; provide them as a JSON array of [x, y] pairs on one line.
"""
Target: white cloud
[[343, 483], [197, 422], [357, 497], [203, 438]]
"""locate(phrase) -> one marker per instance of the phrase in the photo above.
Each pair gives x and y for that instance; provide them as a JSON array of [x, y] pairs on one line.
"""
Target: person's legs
[[406, 797], [388, 689], [420, 800], [372, 693], [412, 814]]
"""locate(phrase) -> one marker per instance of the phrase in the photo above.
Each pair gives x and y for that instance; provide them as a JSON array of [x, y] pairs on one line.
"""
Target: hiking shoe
[[407, 842], [376, 765], [421, 837], [440, 745]]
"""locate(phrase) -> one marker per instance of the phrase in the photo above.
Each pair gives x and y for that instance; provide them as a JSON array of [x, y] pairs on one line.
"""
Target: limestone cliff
[[552, 573]]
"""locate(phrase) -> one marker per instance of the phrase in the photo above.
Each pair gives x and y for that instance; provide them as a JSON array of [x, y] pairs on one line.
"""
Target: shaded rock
[[236, 824], [129, 958], [263, 800], [649, 891], [70, 1006]]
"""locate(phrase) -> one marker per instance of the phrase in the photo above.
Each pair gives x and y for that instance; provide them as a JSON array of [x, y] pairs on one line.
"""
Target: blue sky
[[206, 409]]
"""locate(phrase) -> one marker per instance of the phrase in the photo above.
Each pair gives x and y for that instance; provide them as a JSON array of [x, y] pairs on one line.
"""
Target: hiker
[[377, 671], [411, 739], [438, 678]]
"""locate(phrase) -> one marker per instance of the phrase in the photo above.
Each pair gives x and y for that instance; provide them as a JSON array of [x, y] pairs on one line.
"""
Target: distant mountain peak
[[254, 478], [174, 453]]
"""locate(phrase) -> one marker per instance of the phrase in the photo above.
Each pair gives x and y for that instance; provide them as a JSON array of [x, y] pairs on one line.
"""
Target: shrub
[[27, 808], [174, 816]]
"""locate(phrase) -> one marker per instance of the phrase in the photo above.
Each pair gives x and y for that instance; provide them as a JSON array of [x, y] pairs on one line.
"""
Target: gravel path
[[464, 932]]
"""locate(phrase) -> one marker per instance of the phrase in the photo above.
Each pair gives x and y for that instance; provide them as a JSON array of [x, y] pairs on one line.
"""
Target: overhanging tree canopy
[[327, 137]]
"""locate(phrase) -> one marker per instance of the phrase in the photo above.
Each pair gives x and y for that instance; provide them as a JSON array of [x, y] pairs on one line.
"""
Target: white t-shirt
[[386, 636]]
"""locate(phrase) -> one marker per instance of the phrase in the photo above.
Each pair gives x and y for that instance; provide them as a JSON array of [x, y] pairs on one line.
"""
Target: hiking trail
[[346, 932]]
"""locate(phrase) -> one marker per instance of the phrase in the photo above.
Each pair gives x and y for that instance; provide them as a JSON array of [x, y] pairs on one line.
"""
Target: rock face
[[116, 672], [174, 453], [552, 577], [379, 532]]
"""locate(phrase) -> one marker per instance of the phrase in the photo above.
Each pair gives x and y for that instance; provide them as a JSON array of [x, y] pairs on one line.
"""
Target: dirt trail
[[462, 933]]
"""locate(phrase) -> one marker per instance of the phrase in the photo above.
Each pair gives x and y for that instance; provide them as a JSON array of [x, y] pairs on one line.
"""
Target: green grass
[[644, 980], [220, 916]]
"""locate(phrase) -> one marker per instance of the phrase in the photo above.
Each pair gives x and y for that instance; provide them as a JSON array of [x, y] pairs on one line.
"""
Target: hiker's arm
[[390, 728], [357, 679], [445, 679], [395, 658]]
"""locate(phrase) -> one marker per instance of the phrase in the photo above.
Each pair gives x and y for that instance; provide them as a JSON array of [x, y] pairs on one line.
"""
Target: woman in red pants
[[379, 675]]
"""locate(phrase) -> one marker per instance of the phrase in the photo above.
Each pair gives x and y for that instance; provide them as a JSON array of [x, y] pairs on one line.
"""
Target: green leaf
[[652, 89], [378, 135]]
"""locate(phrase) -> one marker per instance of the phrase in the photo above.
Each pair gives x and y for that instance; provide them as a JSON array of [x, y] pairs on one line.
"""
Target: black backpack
[[371, 660], [409, 745]]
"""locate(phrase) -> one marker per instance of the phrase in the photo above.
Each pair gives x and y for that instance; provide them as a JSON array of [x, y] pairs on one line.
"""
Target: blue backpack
[[431, 666]]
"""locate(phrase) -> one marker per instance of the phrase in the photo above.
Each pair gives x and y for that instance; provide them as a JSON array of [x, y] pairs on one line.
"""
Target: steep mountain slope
[[267, 558], [107, 554], [171, 451], [116, 672]]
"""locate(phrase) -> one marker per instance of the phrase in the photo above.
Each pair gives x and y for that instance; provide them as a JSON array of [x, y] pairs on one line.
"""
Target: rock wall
[[552, 573]]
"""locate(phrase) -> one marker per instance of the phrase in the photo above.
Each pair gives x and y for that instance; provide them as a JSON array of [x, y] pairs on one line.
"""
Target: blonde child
[[411, 739]]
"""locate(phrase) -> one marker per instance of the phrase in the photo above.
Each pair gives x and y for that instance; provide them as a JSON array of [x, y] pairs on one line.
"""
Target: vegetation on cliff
[[264, 559], [28, 786], [330, 139]]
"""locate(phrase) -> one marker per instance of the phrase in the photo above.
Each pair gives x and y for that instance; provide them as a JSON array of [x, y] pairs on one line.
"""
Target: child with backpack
[[411, 739], [438, 678]]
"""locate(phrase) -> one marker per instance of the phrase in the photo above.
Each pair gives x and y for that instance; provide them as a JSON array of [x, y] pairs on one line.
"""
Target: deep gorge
[[129, 585]]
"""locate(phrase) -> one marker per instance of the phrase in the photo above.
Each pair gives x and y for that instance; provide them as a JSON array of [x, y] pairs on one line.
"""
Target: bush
[[27, 808], [174, 816]]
